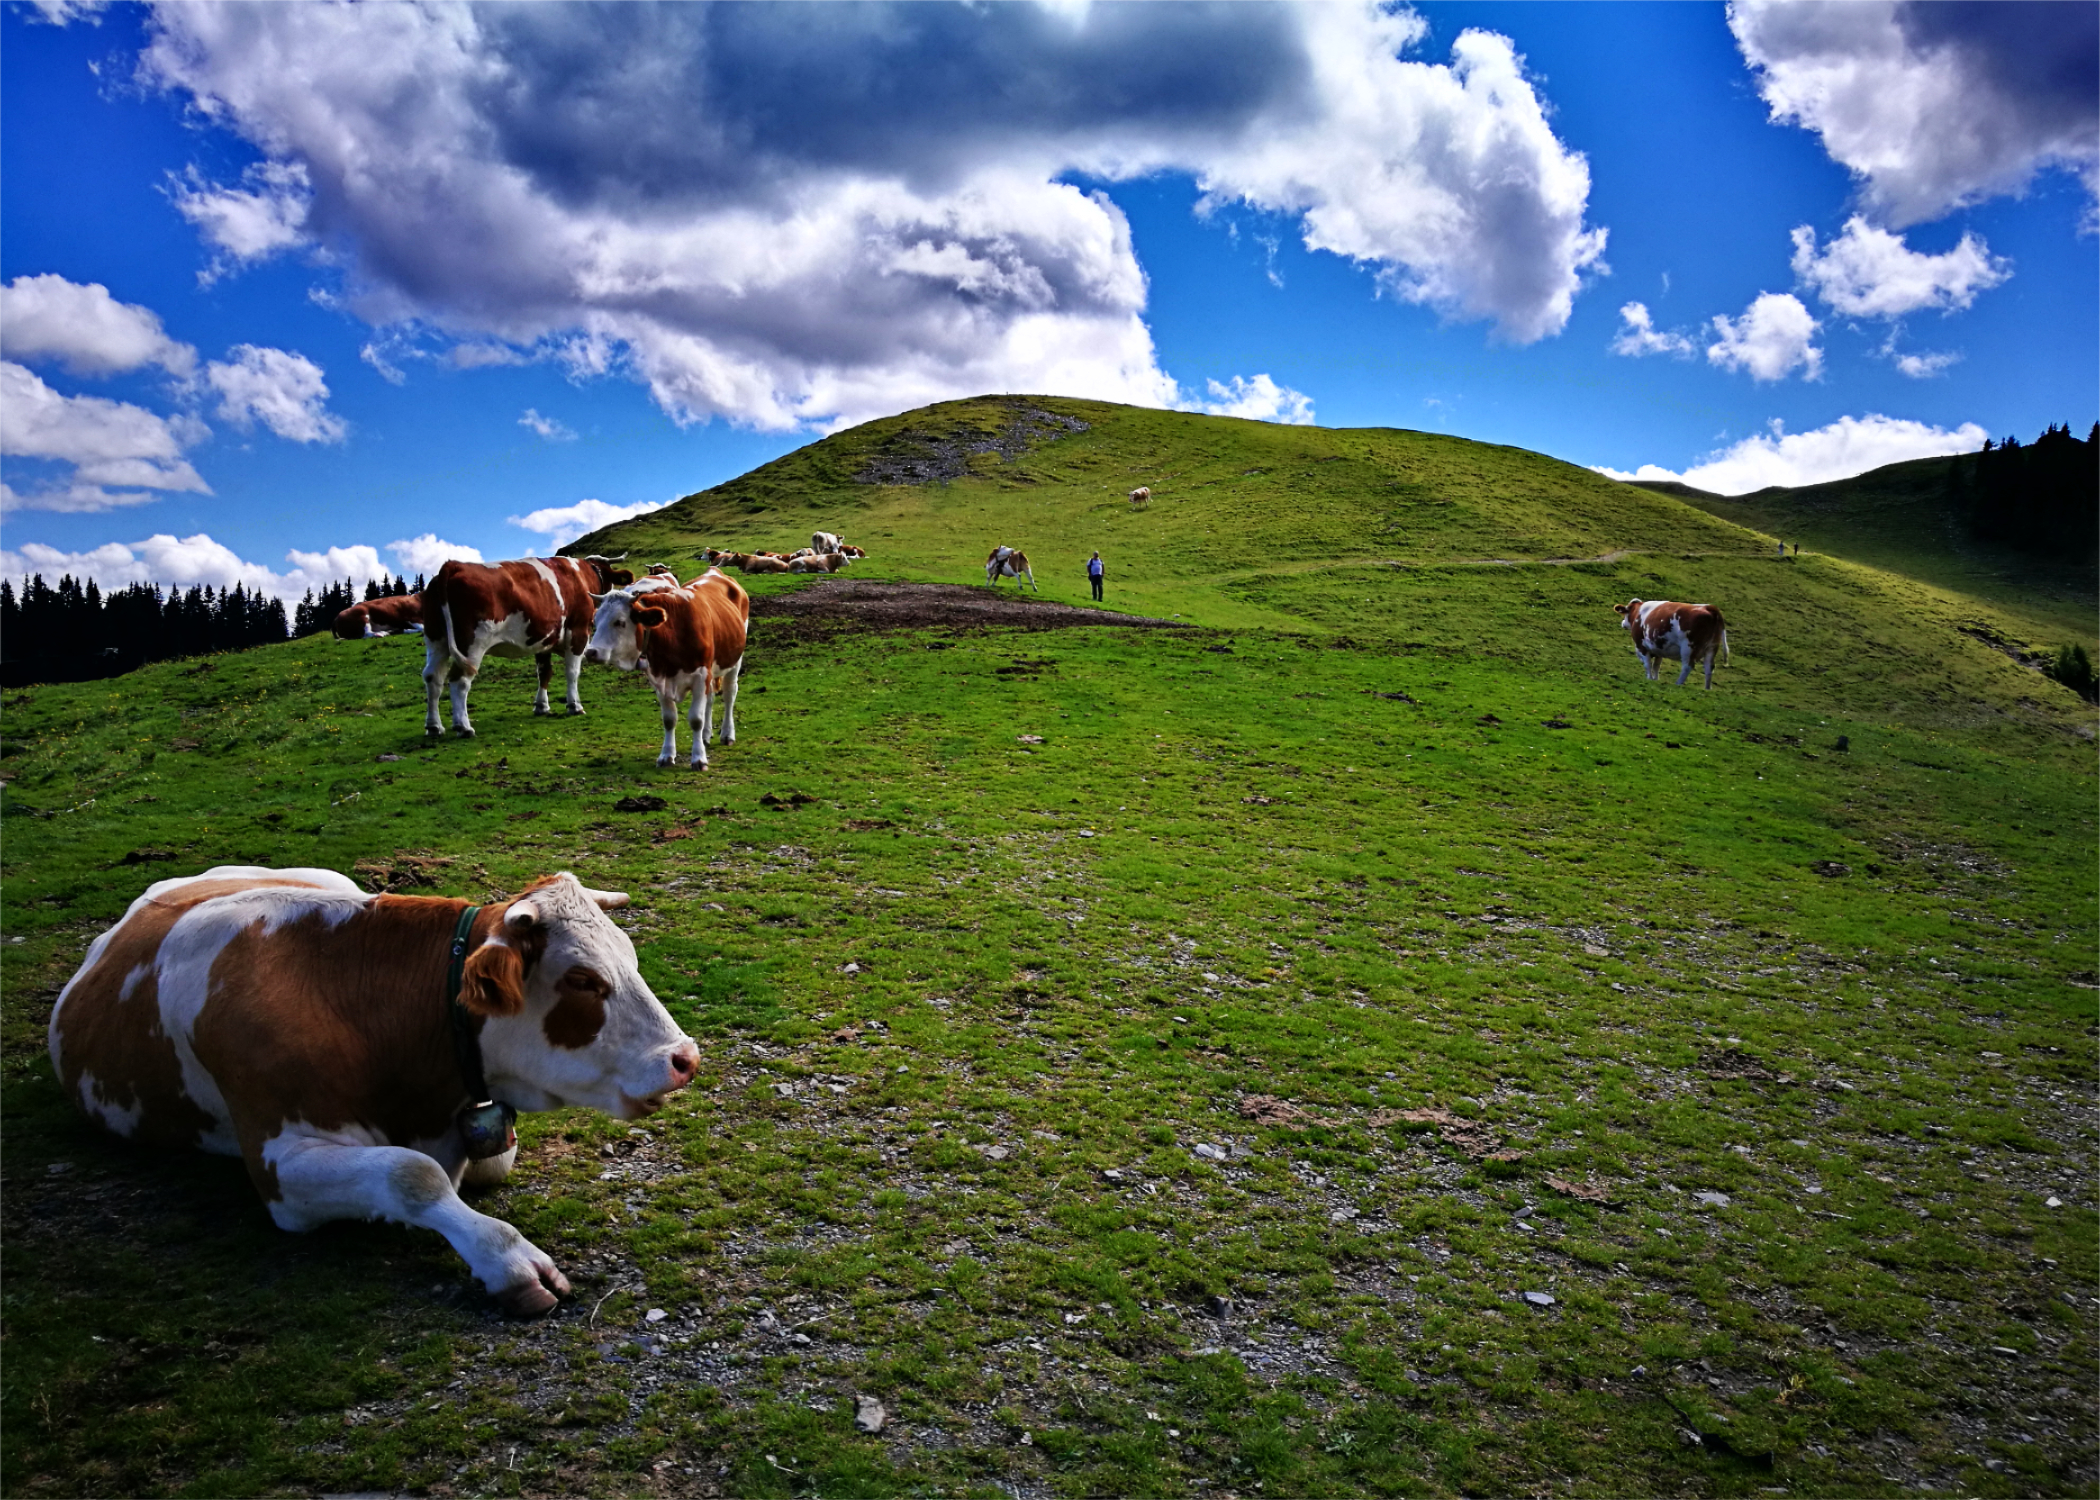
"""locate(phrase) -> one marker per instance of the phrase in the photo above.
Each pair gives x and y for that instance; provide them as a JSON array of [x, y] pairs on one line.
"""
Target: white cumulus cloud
[[1638, 335], [562, 524], [1869, 273], [1260, 399], [1848, 446], [286, 392], [85, 329], [1932, 106], [106, 443], [622, 190], [427, 553], [180, 562], [1924, 366], [550, 428], [1775, 335], [246, 224]]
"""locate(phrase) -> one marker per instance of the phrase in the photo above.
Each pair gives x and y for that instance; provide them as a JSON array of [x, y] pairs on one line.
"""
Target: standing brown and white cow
[[1689, 632], [1009, 562], [386, 616], [689, 640], [534, 606], [339, 1043]]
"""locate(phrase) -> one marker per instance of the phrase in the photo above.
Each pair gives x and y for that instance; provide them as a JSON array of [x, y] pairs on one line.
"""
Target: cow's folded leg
[[319, 1181]]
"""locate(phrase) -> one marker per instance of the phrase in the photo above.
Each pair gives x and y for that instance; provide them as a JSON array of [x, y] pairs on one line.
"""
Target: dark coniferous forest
[[75, 632], [2042, 497]]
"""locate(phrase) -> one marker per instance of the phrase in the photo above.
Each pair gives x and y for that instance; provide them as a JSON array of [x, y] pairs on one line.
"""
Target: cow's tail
[[1726, 654]]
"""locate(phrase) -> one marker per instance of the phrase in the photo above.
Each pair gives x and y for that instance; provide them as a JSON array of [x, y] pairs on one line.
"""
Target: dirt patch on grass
[[839, 606]]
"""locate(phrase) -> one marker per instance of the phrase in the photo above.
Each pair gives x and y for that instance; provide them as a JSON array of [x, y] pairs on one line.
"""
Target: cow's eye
[[588, 980]]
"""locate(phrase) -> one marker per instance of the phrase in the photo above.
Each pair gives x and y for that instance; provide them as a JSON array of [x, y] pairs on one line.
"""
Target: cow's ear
[[1621, 608], [648, 615], [622, 576], [606, 900], [493, 983]]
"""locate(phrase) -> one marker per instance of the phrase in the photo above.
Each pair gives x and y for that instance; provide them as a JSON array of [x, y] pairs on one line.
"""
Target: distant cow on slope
[[1008, 562], [533, 606], [386, 616], [1141, 496], [1691, 633]]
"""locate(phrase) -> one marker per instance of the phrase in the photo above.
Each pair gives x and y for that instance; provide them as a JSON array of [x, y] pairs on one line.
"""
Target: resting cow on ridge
[[365, 1055]]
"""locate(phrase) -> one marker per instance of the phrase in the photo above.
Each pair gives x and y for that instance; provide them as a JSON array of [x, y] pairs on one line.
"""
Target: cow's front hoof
[[464, 731], [698, 765], [575, 710], [665, 760], [431, 731], [541, 711], [529, 1299]]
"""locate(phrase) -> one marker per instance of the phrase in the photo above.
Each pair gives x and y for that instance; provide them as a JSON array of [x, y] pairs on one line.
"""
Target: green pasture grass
[[1385, 835]]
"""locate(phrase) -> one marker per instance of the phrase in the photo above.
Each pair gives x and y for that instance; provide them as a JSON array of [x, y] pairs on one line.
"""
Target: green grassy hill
[[1899, 518], [1153, 1062]]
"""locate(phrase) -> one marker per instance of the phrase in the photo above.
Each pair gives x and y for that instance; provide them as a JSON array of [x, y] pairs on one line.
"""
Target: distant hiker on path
[[1782, 549], [1094, 572]]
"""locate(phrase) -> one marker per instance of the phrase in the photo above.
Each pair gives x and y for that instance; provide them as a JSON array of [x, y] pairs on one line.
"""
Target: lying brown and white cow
[[1007, 562], [533, 606], [386, 616], [817, 562], [689, 640], [339, 1042], [1691, 633]]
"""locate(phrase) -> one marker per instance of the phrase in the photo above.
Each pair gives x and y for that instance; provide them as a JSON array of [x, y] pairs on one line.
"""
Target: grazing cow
[[385, 616], [687, 639], [1008, 562], [535, 606], [1141, 496], [823, 541], [1689, 632], [364, 1055]]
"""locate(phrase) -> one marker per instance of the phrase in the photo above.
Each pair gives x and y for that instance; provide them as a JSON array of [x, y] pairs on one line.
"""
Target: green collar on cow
[[485, 1124]]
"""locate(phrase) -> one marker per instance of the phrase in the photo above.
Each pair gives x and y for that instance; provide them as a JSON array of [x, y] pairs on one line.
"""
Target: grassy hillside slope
[[1154, 1062], [1898, 518]]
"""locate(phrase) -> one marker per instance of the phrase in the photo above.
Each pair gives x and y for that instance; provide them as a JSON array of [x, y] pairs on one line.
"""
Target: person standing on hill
[[1094, 571]]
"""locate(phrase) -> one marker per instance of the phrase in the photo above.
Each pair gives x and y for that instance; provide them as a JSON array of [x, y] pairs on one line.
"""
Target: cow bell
[[487, 1129]]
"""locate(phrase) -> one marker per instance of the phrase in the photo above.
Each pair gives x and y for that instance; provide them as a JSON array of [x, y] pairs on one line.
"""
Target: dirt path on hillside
[[834, 606]]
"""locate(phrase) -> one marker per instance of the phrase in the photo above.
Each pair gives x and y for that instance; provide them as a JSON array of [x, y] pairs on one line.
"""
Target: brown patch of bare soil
[[840, 606]]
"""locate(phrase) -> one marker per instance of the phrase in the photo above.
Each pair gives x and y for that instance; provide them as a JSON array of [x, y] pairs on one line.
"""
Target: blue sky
[[296, 291]]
